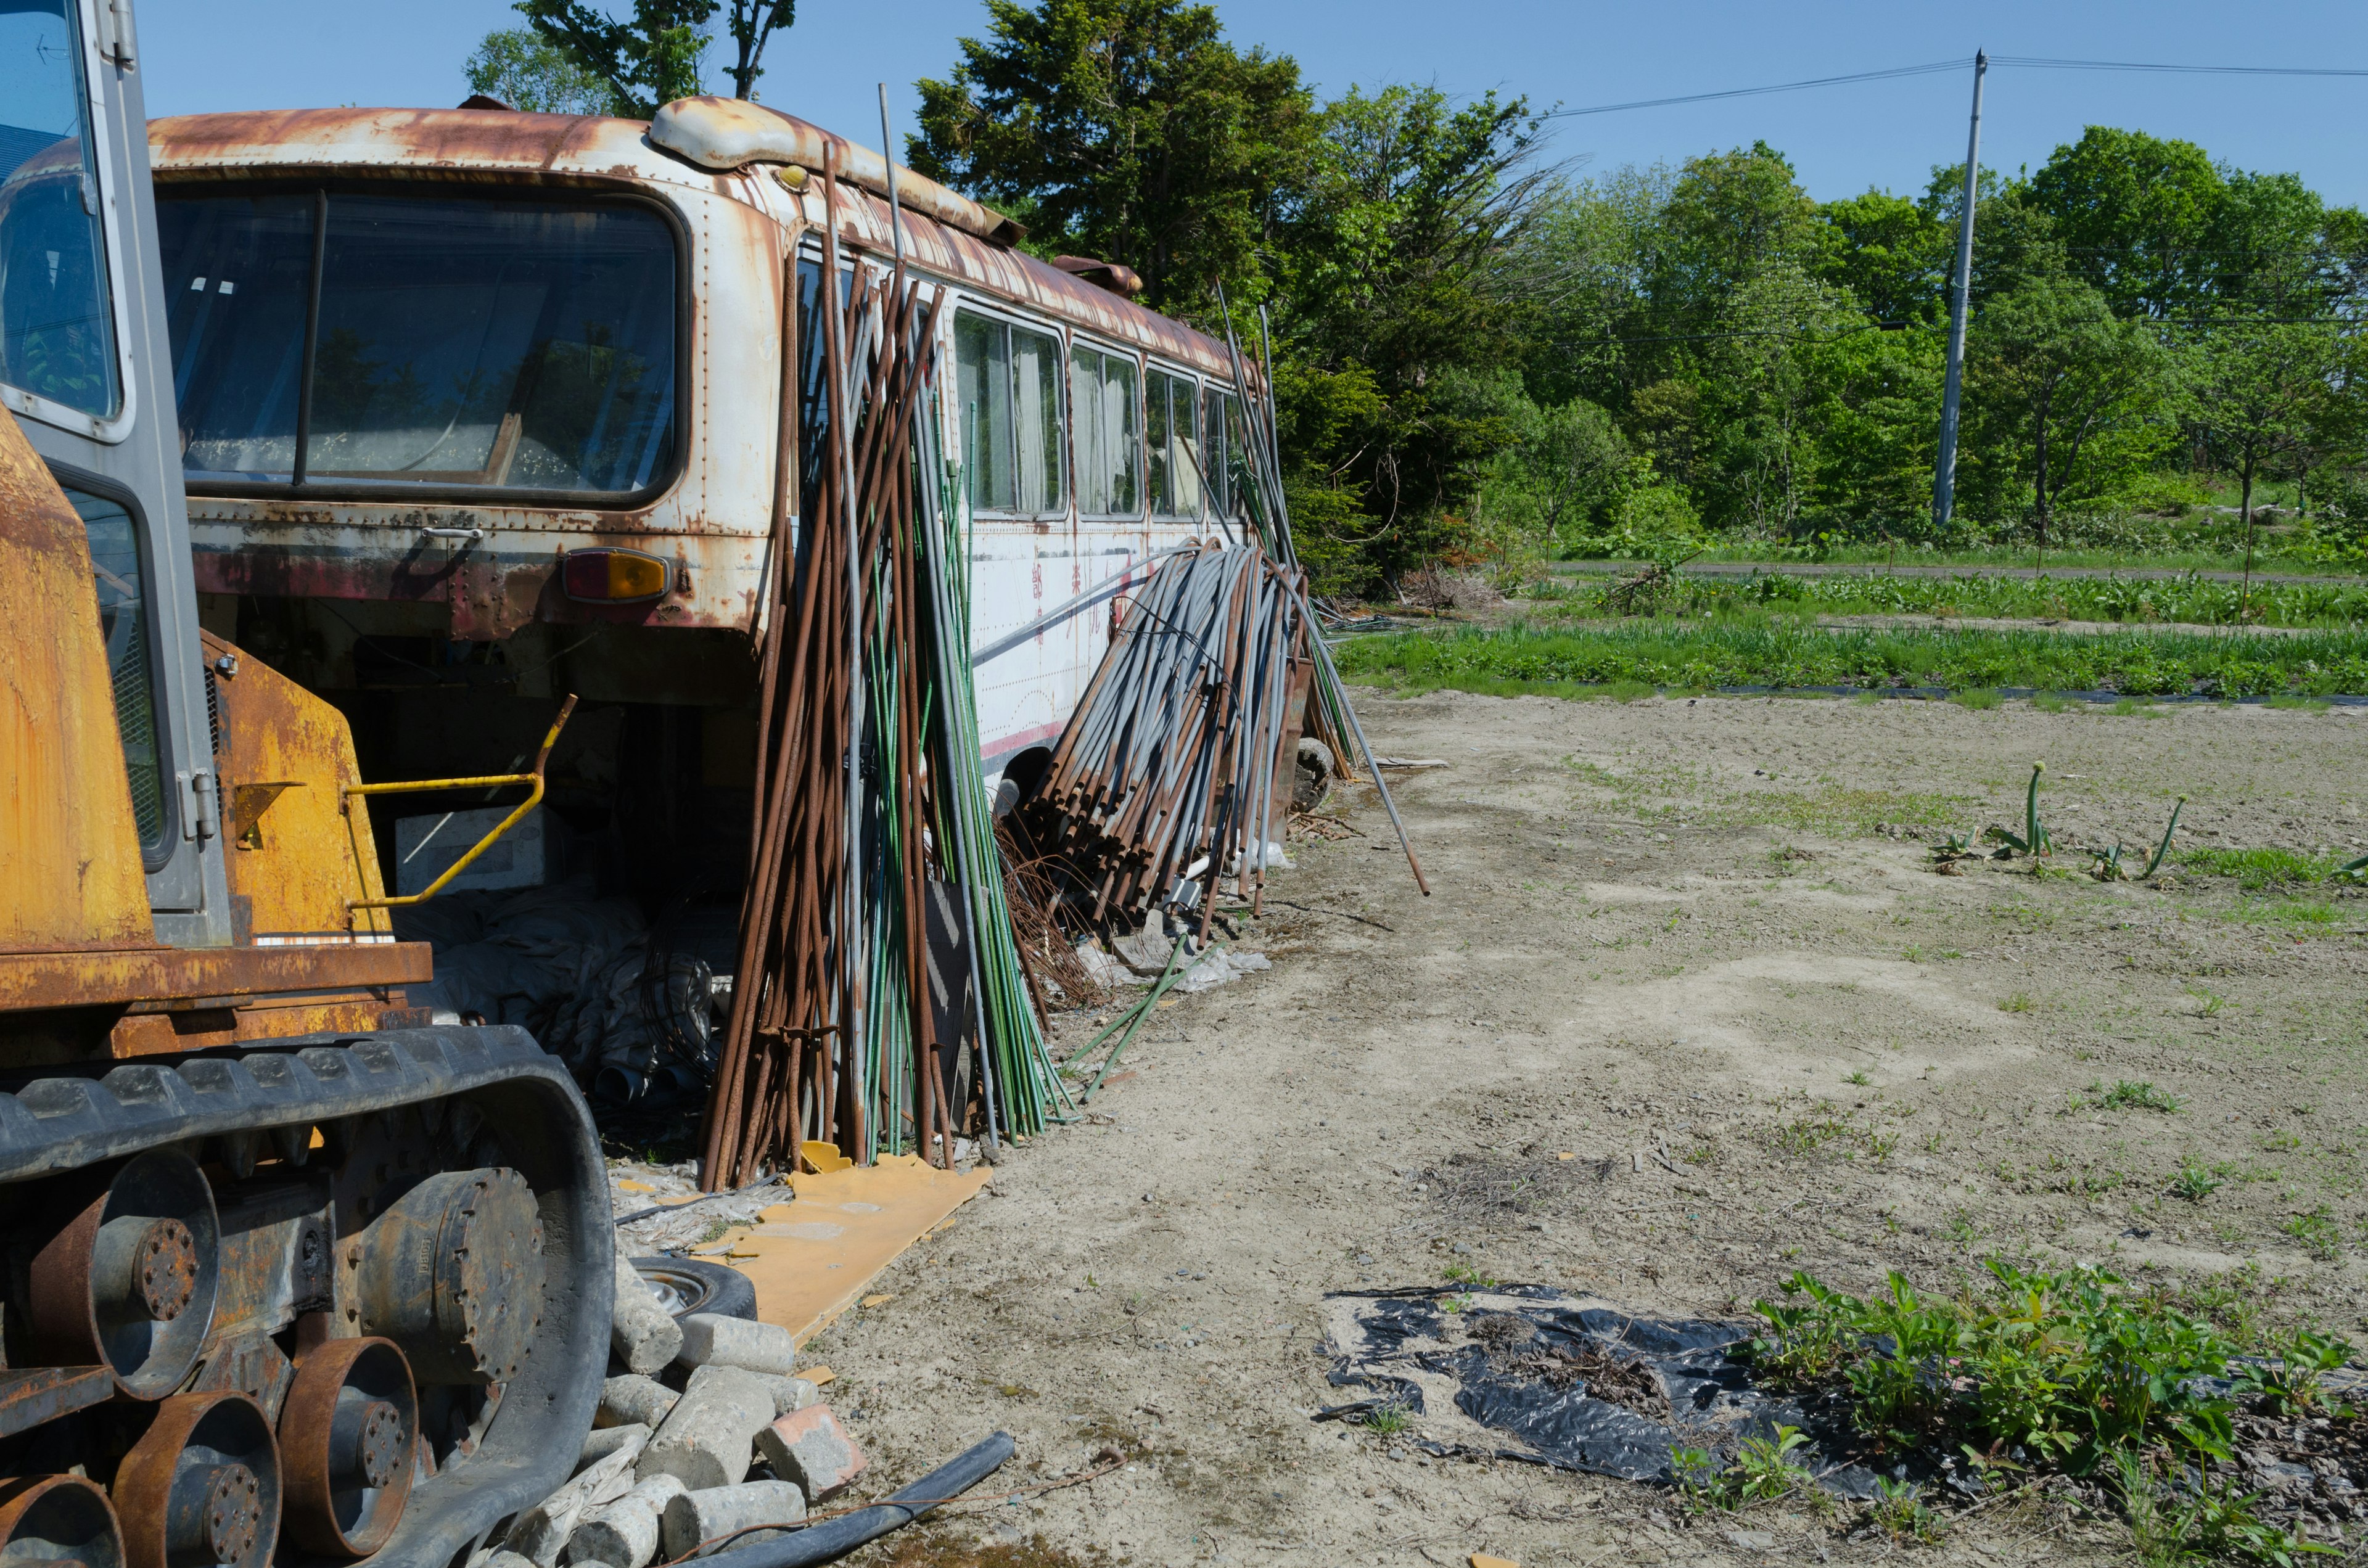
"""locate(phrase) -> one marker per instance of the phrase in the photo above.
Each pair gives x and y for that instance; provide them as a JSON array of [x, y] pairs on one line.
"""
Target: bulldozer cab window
[[460, 343], [1008, 386], [57, 317], [124, 623]]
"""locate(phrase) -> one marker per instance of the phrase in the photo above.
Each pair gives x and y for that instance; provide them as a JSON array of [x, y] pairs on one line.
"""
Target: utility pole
[[1944, 473]]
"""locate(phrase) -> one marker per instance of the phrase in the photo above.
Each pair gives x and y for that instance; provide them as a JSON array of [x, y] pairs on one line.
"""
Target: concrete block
[[540, 1532], [634, 1400], [711, 1341], [694, 1516], [606, 1441], [705, 1442], [643, 1333], [792, 1393], [811, 1448], [625, 1533]]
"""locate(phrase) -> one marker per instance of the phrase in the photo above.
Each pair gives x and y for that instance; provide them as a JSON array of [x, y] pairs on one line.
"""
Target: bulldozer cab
[[85, 370]]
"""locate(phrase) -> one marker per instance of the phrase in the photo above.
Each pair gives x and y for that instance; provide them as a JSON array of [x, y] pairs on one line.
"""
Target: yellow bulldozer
[[287, 1266]]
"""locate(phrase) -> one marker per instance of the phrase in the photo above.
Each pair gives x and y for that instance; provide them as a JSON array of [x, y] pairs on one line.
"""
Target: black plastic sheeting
[[1406, 1346]]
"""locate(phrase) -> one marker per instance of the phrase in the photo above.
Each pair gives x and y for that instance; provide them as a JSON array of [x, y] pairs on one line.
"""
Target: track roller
[[130, 1281], [202, 1486], [59, 1519], [347, 1436], [452, 1273]]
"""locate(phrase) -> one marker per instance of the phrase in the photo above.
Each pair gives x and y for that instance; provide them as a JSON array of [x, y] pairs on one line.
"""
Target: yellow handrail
[[533, 799]]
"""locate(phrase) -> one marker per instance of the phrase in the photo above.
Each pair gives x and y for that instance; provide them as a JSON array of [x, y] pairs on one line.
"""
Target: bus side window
[[1216, 452], [1008, 388], [1172, 418], [1108, 439]]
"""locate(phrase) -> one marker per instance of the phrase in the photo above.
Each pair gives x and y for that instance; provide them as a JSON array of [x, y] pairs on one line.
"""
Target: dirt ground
[[1699, 932]]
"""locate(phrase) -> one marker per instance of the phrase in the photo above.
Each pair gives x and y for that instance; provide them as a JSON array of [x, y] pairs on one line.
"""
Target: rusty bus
[[450, 379]]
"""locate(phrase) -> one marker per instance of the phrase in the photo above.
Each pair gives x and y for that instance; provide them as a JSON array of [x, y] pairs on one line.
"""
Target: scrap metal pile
[[875, 941], [1164, 785]]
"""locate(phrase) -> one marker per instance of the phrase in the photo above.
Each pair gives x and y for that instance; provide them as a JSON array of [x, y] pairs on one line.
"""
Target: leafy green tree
[[1128, 130], [1890, 253], [2064, 393], [517, 66], [1389, 262], [661, 54], [2256, 385], [2136, 216]]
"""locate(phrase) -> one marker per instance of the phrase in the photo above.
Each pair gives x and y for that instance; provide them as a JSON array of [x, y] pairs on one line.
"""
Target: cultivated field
[[1699, 931]]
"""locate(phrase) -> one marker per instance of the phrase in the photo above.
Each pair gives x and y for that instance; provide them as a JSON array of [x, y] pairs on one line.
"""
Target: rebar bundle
[[1164, 783], [874, 941]]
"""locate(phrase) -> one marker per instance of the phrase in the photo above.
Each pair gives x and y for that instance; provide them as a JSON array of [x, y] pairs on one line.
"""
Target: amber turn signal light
[[612, 576]]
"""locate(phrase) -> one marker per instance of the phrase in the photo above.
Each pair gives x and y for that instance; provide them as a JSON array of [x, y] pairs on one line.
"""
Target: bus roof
[[501, 145]]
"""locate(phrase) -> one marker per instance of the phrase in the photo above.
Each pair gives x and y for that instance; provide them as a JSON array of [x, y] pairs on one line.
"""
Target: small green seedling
[[2195, 1184], [2035, 841], [2163, 848], [2293, 1384]]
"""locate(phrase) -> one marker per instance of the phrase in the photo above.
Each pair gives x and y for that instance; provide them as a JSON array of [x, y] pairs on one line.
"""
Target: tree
[[2257, 386], [1128, 130], [517, 66], [2055, 373], [2137, 215], [1889, 251], [661, 54]]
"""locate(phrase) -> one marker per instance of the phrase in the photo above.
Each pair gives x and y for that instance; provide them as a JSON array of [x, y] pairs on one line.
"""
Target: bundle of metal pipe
[[852, 1008], [1164, 783]]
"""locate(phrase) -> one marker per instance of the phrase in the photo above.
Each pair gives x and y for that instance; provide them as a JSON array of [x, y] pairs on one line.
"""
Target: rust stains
[[70, 871]]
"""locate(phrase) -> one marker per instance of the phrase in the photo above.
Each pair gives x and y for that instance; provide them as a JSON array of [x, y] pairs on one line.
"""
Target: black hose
[[834, 1539]]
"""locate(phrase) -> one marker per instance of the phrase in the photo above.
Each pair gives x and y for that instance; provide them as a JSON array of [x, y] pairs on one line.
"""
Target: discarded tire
[[687, 1284], [1312, 780]]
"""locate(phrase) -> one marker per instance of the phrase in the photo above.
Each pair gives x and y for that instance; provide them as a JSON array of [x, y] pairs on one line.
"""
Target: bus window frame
[[965, 303], [1199, 385], [1136, 358], [391, 491], [115, 429]]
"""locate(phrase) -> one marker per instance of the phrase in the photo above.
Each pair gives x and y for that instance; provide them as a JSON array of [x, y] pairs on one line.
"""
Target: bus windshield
[[57, 319], [458, 342]]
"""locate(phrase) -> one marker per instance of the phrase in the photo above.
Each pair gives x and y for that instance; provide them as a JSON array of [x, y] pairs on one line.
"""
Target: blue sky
[[222, 54]]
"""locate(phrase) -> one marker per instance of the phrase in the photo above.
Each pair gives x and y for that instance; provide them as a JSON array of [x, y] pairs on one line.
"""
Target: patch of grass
[[2193, 1183], [2256, 869], [1524, 656], [1859, 1078], [1981, 699], [2019, 1002], [1900, 1512], [2049, 702], [1388, 1419]]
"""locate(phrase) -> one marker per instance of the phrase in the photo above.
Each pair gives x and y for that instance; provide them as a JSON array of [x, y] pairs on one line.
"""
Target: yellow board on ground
[[812, 1259]]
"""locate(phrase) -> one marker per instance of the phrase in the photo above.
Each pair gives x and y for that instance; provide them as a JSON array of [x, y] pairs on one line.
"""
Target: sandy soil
[[1705, 931]]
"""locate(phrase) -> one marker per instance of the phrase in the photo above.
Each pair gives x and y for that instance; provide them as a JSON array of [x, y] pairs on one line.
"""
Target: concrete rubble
[[695, 1517], [642, 1332], [719, 1437]]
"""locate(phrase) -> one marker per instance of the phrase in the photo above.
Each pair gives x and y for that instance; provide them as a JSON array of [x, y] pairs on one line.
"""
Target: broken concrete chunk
[[642, 1333], [792, 1393], [634, 1400], [539, 1532], [695, 1517], [708, 1340], [811, 1448], [606, 1441], [705, 1441], [625, 1533]]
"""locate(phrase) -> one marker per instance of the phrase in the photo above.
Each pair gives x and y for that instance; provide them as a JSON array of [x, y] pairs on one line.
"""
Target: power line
[[1754, 92], [2023, 62]]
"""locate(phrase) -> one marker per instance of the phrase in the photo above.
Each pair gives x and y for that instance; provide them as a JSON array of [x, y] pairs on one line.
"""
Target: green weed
[[2127, 1096], [2195, 1184], [2019, 1002], [1388, 1419], [2256, 869], [2317, 1232], [1900, 1512], [2293, 1382], [1981, 699]]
